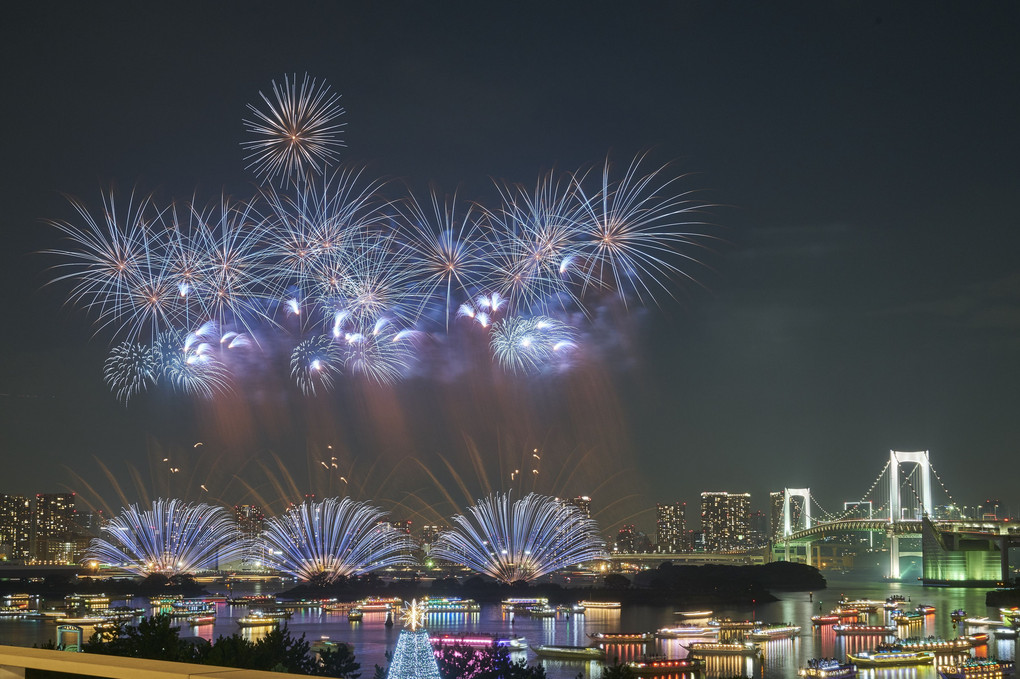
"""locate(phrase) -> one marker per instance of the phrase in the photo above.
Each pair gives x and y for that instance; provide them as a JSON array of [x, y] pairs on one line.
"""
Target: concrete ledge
[[14, 657]]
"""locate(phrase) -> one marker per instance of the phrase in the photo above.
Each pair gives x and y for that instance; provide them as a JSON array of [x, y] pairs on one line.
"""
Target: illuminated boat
[[926, 609], [1010, 616], [958, 615], [977, 669], [865, 630], [650, 667], [522, 604], [8, 611], [576, 609], [480, 641], [705, 648], [895, 601], [863, 605], [539, 611], [600, 604], [891, 658], [828, 668], [187, 607], [205, 619], [80, 620], [451, 605], [830, 619], [355, 615], [771, 632], [374, 604], [338, 606], [622, 637], [88, 601], [937, 645], [253, 600], [983, 622], [585, 653], [263, 618], [908, 618], [680, 631], [693, 615]]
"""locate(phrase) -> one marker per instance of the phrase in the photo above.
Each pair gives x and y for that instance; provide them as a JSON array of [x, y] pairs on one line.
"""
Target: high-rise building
[[251, 520], [625, 540], [54, 527], [429, 534], [582, 502], [776, 513], [402, 526], [15, 527], [671, 527], [725, 520]]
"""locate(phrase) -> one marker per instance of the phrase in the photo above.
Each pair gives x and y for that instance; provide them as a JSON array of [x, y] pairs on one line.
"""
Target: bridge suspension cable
[[848, 510], [939, 479]]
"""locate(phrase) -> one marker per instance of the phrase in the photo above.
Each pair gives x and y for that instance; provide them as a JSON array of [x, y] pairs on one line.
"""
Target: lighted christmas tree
[[413, 657]]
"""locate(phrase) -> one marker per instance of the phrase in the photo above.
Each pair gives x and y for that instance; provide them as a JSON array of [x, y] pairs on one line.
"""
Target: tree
[[464, 662]]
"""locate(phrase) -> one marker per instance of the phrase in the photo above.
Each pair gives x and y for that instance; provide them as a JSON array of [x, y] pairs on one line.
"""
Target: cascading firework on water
[[334, 538], [520, 540], [171, 537]]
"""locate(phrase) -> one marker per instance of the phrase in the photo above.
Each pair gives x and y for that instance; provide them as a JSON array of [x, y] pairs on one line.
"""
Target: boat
[[771, 632], [958, 615], [975, 668], [863, 605], [895, 601], [714, 648], [925, 609], [450, 605], [201, 619], [355, 615], [570, 652], [1006, 633], [522, 604], [541, 611], [263, 618], [865, 630], [253, 600], [187, 607], [693, 615], [829, 668], [374, 603], [622, 637], [736, 625], [480, 641], [654, 666], [680, 631], [830, 619], [600, 604], [983, 622], [80, 620], [338, 606], [891, 658], [9, 611], [938, 645], [908, 618]]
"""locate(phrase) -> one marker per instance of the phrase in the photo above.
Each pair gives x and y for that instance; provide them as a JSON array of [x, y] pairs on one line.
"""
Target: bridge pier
[[894, 557]]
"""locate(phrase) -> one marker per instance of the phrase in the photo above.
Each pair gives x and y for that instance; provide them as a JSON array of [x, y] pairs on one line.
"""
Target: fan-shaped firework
[[170, 538], [529, 344], [297, 132], [130, 369], [334, 538], [521, 540], [314, 363]]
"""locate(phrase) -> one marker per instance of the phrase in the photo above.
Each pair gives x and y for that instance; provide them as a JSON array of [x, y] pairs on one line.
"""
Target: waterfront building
[[671, 527], [54, 529], [251, 520], [725, 520], [15, 527]]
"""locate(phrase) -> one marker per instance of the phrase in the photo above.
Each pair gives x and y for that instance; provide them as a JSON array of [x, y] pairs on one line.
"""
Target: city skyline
[[859, 295]]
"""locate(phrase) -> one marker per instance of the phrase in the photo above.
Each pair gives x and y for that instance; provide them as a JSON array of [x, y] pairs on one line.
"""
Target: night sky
[[861, 292]]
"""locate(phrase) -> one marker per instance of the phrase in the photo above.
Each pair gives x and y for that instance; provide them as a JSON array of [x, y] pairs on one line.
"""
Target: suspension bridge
[[900, 505]]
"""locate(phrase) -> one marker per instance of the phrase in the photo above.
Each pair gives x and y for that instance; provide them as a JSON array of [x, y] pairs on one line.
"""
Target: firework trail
[[520, 540], [297, 132], [334, 538], [170, 538]]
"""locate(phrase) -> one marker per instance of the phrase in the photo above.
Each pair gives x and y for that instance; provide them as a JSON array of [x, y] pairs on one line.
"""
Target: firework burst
[[314, 364], [334, 538], [297, 132], [520, 540], [130, 369], [170, 538], [527, 345]]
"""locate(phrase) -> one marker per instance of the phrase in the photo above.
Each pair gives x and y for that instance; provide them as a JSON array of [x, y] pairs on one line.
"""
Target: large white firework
[[171, 537], [512, 540], [131, 368], [315, 363], [334, 538], [298, 130]]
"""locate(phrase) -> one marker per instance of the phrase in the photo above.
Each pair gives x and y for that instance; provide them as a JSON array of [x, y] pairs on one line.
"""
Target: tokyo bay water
[[371, 639]]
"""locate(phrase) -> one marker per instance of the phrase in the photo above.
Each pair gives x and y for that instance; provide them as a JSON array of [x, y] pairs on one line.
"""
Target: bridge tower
[[804, 493], [920, 458]]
